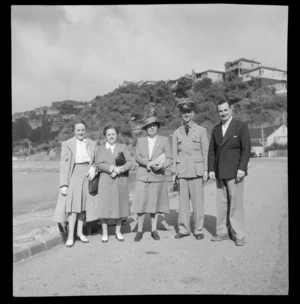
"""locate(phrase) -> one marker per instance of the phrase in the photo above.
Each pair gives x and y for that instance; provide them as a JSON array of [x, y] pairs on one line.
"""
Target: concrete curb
[[20, 254]]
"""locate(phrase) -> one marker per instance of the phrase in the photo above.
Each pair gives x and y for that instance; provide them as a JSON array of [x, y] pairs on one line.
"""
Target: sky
[[78, 52]]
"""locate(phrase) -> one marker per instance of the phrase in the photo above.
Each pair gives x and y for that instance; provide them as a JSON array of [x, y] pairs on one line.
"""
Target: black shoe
[[155, 235], [138, 236], [199, 236], [180, 235]]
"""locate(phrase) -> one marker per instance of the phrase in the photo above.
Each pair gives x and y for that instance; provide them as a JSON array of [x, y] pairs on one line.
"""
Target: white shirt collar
[[80, 141], [108, 145], [226, 124]]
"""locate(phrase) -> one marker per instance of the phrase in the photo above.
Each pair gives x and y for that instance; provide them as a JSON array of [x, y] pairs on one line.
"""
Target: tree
[[183, 85], [201, 85], [21, 129]]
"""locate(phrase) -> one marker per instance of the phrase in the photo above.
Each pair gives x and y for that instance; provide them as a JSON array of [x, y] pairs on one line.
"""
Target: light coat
[[142, 158], [67, 164]]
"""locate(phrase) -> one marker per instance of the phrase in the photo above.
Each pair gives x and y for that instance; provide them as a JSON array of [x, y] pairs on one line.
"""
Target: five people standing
[[195, 160]]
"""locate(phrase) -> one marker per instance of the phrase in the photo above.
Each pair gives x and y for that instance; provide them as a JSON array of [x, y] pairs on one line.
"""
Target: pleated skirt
[[78, 189], [150, 197]]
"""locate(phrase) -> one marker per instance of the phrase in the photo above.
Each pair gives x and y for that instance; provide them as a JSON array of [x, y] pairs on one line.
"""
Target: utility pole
[[263, 138]]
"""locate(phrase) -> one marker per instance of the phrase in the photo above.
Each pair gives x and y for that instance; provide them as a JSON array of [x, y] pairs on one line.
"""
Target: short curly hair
[[77, 121], [111, 126]]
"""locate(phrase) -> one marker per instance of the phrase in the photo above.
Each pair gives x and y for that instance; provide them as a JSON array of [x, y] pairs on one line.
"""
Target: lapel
[[156, 145], [181, 130], [88, 149], [72, 145], [144, 146], [109, 155], [229, 131], [192, 128], [116, 149], [219, 134]]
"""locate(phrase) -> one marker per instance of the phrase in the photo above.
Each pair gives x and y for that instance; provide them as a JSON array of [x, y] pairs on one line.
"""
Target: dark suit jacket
[[231, 153]]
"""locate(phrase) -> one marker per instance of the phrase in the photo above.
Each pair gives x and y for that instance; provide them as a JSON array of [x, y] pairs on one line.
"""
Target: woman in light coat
[[153, 155], [77, 156], [113, 198]]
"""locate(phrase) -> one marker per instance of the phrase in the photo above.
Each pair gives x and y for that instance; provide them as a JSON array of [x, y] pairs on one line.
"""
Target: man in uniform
[[190, 149]]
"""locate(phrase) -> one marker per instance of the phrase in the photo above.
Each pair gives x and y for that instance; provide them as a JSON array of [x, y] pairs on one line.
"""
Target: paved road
[[171, 266]]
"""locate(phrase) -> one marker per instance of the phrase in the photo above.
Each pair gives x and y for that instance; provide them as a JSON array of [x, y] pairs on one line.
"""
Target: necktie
[[187, 129]]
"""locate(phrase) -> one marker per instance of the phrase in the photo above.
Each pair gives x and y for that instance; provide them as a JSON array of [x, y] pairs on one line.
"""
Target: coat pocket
[[199, 165]]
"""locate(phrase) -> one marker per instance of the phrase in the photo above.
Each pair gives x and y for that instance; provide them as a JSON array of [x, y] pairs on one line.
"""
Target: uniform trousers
[[191, 189], [230, 210]]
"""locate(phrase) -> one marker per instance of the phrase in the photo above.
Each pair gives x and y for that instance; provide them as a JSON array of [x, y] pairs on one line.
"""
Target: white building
[[212, 74], [238, 67], [278, 137]]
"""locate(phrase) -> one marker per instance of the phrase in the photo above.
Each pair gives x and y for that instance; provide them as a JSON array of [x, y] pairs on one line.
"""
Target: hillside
[[128, 106]]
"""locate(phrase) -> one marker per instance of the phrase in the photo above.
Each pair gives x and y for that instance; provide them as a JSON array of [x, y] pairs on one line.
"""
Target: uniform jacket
[[161, 146], [67, 164], [189, 151], [231, 153], [105, 159]]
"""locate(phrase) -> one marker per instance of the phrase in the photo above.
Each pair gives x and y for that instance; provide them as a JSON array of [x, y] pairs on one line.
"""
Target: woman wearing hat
[[153, 155], [113, 161], [77, 156]]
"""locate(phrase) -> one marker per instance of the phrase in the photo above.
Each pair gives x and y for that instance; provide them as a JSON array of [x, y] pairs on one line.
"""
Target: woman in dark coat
[[113, 161], [153, 155], [77, 157]]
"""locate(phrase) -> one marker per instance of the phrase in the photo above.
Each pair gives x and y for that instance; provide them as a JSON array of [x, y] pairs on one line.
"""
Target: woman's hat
[[150, 121], [186, 104]]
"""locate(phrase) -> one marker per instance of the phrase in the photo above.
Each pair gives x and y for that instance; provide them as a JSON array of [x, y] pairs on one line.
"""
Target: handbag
[[120, 161], [93, 184]]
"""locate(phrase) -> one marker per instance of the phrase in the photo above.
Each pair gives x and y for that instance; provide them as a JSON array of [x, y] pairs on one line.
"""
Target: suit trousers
[[230, 210], [191, 188]]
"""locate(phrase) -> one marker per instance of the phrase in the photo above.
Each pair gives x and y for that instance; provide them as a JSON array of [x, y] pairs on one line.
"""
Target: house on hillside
[[262, 137], [212, 74], [265, 76], [52, 111], [237, 67], [34, 123]]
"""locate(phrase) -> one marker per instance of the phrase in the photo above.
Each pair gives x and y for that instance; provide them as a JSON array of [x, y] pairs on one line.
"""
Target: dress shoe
[[70, 243], [199, 236], [138, 236], [217, 238], [239, 242], [180, 235], [83, 239], [121, 239], [155, 235]]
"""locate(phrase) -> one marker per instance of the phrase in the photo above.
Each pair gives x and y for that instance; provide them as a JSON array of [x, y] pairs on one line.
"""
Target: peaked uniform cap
[[186, 104], [150, 121]]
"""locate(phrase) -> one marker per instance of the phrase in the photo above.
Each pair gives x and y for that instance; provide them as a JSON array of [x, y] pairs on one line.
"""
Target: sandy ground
[[171, 266]]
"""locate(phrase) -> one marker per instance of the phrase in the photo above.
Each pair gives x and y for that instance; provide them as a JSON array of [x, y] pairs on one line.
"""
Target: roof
[[243, 59], [264, 67], [255, 133], [213, 71]]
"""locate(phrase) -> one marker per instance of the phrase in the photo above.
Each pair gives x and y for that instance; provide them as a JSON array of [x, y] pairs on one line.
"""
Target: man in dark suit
[[228, 157]]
